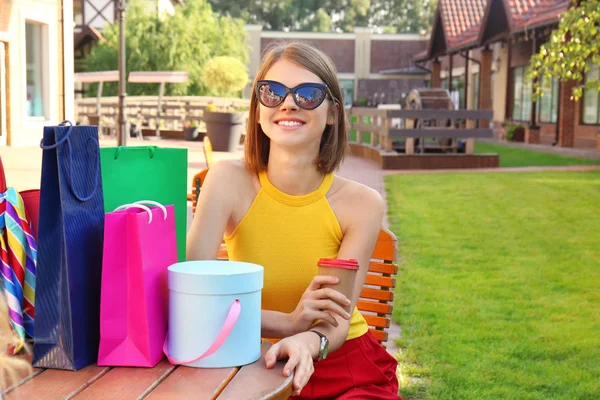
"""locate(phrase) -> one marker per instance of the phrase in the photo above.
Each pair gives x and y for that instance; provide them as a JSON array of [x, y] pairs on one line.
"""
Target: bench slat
[[383, 281], [57, 384], [377, 322], [380, 308], [377, 294], [382, 268], [382, 336], [193, 383], [127, 383]]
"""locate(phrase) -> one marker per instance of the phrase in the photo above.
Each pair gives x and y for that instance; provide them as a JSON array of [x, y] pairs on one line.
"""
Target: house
[[36, 68], [481, 49]]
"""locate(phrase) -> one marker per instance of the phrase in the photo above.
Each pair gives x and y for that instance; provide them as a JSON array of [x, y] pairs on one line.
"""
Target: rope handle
[[138, 204], [66, 139], [232, 317]]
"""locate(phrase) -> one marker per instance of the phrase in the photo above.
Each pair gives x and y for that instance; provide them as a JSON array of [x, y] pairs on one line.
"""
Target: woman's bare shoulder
[[354, 193], [230, 172]]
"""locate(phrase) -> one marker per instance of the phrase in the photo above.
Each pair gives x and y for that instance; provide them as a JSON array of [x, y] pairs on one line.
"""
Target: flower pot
[[224, 129], [190, 134]]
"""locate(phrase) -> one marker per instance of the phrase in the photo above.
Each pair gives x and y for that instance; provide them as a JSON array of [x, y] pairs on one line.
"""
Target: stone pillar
[[362, 52], [436, 74], [485, 84], [254, 47], [567, 114], [532, 135]]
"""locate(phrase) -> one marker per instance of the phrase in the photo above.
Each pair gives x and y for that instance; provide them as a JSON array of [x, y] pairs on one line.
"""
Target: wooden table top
[[164, 381]]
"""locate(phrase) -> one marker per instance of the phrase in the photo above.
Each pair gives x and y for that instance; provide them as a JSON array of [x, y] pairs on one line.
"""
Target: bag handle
[[232, 317], [66, 138], [154, 203], [133, 205]]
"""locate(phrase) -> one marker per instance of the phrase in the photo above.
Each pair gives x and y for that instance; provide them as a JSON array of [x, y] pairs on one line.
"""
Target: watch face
[[325, 348]]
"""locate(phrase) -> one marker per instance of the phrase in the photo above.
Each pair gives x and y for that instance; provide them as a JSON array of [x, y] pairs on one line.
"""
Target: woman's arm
[[364, 218], [363, 212], [213, 211]]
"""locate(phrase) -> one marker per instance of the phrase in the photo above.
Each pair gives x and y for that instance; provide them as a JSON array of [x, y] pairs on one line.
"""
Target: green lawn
[[511, 157], [498, 293]]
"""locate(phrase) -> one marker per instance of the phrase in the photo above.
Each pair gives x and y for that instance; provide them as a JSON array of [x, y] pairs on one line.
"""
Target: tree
[[184, 41], [403, 16], [224, 76], [332, 15], [573, 45]]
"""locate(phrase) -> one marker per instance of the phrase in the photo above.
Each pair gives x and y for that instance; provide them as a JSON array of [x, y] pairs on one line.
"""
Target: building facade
[[481, 50], [372, 68], [36, 68]]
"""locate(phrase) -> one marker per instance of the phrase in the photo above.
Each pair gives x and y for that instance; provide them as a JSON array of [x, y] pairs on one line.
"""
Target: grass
[[512, 157], [498, 293]]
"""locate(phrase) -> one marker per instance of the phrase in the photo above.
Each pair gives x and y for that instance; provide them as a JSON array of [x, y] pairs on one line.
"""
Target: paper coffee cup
[[345, 270]]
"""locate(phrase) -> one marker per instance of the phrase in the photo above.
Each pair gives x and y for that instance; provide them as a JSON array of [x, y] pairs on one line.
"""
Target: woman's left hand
[[299, 349]]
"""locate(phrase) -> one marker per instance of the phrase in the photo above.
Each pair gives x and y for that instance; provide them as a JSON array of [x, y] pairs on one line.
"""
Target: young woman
[[283, 208]]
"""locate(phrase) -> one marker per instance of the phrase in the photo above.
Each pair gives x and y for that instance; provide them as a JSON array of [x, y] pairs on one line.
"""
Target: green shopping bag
[[131, 174]]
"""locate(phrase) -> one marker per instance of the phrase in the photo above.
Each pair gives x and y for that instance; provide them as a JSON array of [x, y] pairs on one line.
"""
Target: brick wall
[[520, 54], [392, 54], [341, 51]]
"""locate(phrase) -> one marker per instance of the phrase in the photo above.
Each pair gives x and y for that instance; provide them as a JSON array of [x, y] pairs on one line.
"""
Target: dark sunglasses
[[307, 96]]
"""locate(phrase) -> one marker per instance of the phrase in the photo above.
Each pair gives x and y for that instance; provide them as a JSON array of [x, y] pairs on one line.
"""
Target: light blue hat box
[[202, 297]]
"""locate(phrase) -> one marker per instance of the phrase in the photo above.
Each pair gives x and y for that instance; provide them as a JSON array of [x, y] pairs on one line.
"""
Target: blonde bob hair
[[334, 142]]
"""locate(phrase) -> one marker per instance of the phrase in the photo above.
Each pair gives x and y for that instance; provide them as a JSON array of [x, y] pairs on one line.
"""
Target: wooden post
[[470, 146]]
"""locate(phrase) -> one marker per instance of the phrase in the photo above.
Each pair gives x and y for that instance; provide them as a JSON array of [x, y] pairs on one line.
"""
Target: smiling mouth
[[290, 123]]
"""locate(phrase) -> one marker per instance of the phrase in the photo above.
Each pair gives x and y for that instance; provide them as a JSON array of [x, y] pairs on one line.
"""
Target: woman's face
[[287, 124]]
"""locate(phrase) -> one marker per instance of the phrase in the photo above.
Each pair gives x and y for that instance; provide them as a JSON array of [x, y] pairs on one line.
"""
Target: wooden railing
[[398, 130], [143, 111]]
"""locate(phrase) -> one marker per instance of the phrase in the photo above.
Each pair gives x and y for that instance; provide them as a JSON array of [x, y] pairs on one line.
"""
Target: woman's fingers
[[331, 307], [304, 371], [321, 280], [291, 365], [332, 294]]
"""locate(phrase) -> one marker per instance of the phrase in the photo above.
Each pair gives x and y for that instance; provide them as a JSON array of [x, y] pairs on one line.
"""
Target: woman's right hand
[[319, 303]]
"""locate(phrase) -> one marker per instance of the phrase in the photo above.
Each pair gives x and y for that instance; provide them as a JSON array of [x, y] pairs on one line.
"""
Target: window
[[347, 86], [591, 100], [35, 106], [522, 95], [458, 90], [547, 105]]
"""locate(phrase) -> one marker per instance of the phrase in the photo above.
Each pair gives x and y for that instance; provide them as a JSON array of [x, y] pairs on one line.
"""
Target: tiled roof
[[461, 19], [533, 12]]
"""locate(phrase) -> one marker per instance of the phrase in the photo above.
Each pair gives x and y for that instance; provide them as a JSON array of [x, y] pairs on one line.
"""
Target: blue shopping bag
[[71, 228]]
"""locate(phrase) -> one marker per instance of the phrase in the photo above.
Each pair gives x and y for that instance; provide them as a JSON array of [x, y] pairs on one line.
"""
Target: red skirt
[[360, 369]]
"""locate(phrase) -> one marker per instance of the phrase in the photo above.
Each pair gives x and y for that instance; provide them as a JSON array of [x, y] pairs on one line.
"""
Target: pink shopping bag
[[139, 245]]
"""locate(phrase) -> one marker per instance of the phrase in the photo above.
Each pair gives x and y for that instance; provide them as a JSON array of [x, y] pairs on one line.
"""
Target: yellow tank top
[[287, 235]]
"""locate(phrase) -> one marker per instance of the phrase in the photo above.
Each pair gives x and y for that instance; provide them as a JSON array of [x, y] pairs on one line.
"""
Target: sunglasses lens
[[309, 97], [271, 94]]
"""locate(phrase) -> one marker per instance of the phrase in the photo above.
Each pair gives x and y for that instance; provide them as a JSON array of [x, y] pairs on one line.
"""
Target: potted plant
[[514, 132], [191, 131], [225, 77]]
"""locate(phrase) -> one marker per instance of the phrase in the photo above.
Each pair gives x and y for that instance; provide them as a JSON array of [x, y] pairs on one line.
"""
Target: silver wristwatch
[[324, 347]]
